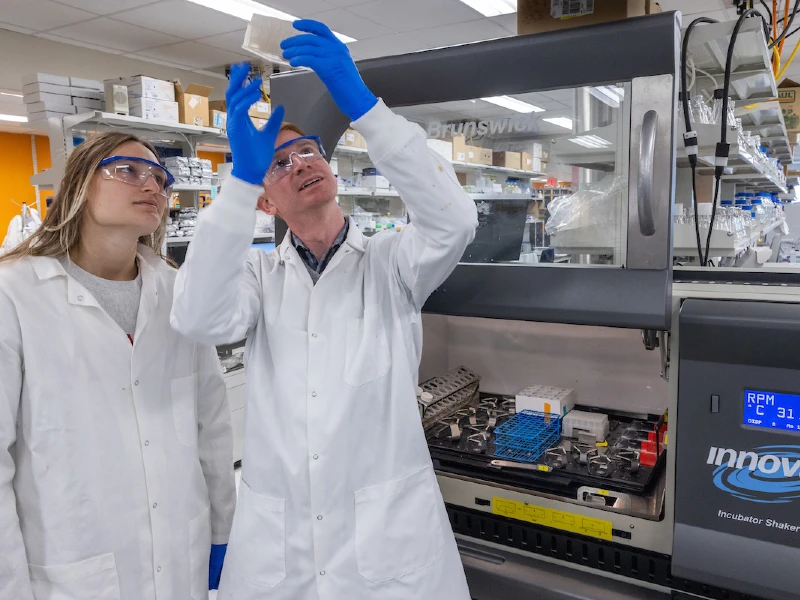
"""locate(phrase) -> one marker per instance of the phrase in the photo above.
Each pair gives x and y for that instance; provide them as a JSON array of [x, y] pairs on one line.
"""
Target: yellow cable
[[779, 76]]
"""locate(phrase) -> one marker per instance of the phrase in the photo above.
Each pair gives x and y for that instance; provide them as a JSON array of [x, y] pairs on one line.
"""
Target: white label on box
[[460, 156], [564, 9], [193, 100], [262, 107], [350, 137], [471, 155]]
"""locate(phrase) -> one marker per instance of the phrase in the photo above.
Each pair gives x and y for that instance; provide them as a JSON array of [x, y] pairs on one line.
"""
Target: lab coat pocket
[[398, 527], [257, 547], [199, 555], [184, 400], [92, 579], [367, 356]]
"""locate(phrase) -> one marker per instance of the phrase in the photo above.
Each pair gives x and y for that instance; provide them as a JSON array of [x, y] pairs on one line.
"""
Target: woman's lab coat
[[116, 460], [338, 498]]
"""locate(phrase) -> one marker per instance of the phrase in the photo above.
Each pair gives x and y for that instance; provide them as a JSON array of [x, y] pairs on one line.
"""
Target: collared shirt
[[314, 265]]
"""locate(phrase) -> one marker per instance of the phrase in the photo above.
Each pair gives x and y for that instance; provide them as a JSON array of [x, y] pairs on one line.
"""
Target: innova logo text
[[769, 474]]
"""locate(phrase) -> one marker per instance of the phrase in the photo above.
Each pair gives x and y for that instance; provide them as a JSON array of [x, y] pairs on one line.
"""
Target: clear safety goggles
[[303, 151], [135, 171]]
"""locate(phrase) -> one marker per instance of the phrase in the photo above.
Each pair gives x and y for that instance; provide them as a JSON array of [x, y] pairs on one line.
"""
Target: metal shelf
[[368, 193], [98, 120], [186, 187], [177, 241], [751, 67], [766, 120], [722, 244]]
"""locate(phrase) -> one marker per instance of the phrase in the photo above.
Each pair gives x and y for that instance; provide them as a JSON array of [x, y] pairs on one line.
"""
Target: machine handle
[[644, 187]]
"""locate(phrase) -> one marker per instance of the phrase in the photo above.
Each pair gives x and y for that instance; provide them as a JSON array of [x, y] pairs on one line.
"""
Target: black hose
[[704, 263], [696, 215]]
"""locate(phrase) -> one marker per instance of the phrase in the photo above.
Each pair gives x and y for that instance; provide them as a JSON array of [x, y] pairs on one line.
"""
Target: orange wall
[[214, 157], [16, 168]]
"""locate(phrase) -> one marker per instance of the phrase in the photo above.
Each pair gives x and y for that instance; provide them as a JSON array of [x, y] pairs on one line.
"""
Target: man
[[338, 497]]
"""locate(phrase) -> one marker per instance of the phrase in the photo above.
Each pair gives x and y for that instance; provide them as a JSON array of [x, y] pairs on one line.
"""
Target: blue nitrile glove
[[322, 51], [215, 565], [252, 148]]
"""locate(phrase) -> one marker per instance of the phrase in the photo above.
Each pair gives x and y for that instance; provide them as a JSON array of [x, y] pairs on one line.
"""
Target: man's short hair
[[291, 127]]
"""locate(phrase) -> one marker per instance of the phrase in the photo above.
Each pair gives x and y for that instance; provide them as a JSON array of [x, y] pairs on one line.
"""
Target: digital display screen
[[772, 411]]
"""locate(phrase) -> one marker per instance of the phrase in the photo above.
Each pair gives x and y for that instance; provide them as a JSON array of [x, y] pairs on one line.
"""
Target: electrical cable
[[690, 137], [786, 28], [780, 73]]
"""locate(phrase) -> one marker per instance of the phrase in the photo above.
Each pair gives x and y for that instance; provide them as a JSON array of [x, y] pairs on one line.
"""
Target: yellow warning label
[[603, 492], [544, 468], [539, 515]]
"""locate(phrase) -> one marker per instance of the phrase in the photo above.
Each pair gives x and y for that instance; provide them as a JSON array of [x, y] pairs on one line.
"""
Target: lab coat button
[[158, 569], [136, 382], [313, 335], [313, 394], [146, 442], [80, 298], [155, 504], [319, 517], [316, 457], [322, 573]]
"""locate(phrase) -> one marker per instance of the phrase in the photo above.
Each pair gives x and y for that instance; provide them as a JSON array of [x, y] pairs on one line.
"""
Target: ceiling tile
[[508, 22], [181, 19], [409, 15], [346, 22], [156, 61], [114, 34], [193, 54], [459, 33], [41, 15], [105, 7], [81, 43], [297, 8], [10, 27], [231, 41], [385, 46]]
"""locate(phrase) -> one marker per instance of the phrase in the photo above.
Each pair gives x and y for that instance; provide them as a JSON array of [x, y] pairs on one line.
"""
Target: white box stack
[[46, 96], [442, 147], [582, 421], [546, 399]]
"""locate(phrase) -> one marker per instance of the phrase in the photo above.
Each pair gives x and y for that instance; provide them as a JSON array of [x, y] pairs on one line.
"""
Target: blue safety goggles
[[135, 171], [302, 150]]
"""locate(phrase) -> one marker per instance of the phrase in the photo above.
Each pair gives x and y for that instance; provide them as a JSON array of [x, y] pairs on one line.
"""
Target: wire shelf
[[527, 435]]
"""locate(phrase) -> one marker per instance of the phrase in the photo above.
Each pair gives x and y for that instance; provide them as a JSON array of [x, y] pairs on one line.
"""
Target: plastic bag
[[590, 207]]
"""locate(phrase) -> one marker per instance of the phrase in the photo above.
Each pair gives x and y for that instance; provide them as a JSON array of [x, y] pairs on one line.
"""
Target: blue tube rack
[[527, 435]]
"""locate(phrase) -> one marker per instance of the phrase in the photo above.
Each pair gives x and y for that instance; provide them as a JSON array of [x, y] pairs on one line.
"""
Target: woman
[[116, 460]]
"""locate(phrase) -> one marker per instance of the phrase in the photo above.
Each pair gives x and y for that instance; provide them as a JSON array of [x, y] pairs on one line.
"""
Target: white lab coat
[[338, 498], [116, 460]]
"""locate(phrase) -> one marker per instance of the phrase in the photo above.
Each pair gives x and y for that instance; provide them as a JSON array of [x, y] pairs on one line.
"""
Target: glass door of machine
[[566, 142], [548, 172]]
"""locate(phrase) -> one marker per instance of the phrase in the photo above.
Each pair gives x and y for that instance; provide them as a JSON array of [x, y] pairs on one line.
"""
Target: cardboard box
[[526, 161], [35, 107], [218, 119], [155, 110], [789, 99], [472, 154], [260, 110], [442, 148], [89, 84], [85, 104], [459, 148], [141, 86], [47, 88], [509, 160], [193, 103], [87, 93], [485, 156], [352, 139], [49, 99], [536, 16], [44, 78]]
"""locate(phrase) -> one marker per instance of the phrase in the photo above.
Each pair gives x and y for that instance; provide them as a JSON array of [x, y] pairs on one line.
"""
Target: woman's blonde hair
[[60, 231]]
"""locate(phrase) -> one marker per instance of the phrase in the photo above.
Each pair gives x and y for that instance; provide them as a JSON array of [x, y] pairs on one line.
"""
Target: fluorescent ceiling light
[[492, 8], [513, 104], [590, 141], [13, 118], [564, 122], [10, 94], [245, 9], [608, 94]]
